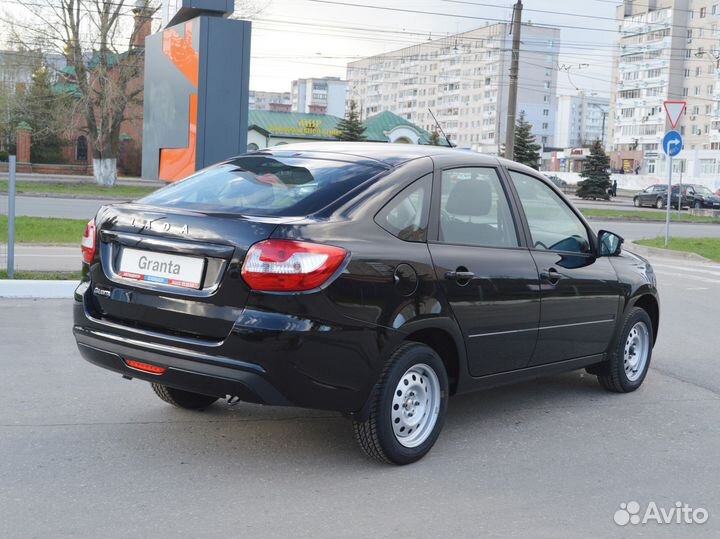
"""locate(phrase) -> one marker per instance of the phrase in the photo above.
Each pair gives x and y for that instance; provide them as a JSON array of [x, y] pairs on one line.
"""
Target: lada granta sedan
[[376, 280]]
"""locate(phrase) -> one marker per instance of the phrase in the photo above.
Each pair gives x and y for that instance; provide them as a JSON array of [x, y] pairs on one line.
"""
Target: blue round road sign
[[672, 143]]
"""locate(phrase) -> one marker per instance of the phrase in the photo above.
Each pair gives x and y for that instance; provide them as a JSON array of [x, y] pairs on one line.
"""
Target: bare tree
[[99, 39]]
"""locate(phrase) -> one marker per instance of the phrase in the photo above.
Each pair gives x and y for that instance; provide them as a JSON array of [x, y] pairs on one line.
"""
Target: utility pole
[[514, 71]]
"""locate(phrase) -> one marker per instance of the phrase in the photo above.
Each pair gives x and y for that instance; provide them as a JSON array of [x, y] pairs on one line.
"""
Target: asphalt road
[[86, 454]]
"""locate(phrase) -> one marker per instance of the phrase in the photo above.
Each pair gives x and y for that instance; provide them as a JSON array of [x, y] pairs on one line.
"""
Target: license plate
[[162, 268]]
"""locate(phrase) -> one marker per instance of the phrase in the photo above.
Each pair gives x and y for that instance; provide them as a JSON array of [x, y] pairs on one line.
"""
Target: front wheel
[[698, 205], [409, 407], [630, 359]]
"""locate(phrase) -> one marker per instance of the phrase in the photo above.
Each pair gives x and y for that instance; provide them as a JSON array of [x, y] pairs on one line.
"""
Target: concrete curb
[[642, 250], [17, 289], [634, 220]]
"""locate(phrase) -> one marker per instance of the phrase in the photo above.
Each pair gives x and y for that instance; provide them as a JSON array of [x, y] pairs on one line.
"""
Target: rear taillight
[[88, 242], [290, 266], [145, 367]]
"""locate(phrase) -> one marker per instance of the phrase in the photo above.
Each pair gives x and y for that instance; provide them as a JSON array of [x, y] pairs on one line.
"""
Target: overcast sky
[[306, 46]]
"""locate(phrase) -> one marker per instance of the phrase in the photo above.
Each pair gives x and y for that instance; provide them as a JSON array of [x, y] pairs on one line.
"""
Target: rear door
[[579, 291], [486, 274]]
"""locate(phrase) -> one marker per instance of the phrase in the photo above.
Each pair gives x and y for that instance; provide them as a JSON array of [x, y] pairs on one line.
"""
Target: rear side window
[[266, 185], [406, 215]]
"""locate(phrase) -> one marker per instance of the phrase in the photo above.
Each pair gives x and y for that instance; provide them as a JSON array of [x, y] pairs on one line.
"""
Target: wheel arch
[[445, 346], [650, 305]]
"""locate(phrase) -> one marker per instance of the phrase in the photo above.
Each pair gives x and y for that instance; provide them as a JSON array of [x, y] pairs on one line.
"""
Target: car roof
[[387, 153]]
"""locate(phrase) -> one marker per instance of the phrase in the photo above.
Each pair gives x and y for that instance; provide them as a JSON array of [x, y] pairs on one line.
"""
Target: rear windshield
[[265, 185]]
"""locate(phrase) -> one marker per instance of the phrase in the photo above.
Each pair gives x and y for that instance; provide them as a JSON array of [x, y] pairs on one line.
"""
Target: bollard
[[11, 219]]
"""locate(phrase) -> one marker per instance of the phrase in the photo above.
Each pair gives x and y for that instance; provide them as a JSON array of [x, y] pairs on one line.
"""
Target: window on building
[[81, 148], [703, 12]]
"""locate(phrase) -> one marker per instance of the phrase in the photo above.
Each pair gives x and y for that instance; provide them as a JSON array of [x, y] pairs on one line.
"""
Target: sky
[[306, 38]]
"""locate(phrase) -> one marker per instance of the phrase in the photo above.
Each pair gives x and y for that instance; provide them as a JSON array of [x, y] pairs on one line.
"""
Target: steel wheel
[[637, 347], [415, 405]]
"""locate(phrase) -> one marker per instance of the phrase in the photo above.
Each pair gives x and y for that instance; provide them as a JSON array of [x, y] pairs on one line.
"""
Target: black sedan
[[374, 280], [654, 195], [696, 196]]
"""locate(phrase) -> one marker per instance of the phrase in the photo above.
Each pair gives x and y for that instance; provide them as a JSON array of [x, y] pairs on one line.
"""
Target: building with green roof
[[272, 128]]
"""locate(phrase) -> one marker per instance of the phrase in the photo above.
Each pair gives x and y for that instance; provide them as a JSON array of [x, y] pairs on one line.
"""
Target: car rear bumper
[[184, 371], [268, 357]]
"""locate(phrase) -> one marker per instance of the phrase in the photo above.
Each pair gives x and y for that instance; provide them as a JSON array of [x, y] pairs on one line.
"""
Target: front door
[[580, 294], [490, 281]]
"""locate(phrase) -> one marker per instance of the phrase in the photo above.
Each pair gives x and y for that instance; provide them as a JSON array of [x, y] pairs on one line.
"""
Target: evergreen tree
[[350, 127], [434, 138], [45, 111], [525, 150], [596, 178]]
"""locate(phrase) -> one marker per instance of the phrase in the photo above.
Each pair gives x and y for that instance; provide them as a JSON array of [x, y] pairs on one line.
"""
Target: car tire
[[697, 205], [415, 371], [630, 357], [183, 399], [636, 202], [660, 203]]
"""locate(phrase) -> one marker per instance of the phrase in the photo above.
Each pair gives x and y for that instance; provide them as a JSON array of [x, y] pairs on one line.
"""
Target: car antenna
[[440, 128]]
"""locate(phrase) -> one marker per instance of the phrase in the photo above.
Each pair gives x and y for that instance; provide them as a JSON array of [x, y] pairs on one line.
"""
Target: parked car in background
[[559, 182], [696, 196], [655, 195]]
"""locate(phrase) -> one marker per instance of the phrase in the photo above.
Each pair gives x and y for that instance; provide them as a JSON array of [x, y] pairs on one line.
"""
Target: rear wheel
[[630, 359], [183, 399], [409, 408], [660, 203], [636, 202]]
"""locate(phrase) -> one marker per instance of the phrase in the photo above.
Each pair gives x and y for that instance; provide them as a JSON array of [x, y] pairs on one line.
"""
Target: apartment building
[[581, 120], [319, 96], [464, 80], [667, 51], [277, 101]]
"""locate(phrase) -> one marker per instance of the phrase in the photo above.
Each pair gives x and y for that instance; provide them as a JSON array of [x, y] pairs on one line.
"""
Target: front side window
[[553, 225], [406, 215], [474, 209]]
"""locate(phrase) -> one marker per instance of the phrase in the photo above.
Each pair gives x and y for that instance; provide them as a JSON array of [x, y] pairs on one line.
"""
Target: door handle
[[551, 275], [459, 275]]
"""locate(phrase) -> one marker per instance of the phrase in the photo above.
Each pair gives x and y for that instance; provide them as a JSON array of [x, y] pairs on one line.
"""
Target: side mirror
[[609, 243]]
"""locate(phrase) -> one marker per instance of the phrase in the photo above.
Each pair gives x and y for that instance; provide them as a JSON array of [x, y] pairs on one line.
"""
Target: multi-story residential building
[[17, 67], [581, 120], [667, 51], [464, 80], [319, 96], [270, 100]]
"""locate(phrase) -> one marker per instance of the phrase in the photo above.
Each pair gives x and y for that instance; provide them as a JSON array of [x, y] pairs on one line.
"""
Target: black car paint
[[327, 349]]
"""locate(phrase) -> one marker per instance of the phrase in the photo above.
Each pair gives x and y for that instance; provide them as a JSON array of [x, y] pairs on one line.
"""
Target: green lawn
[[45, 275], [44, 230], [646, 215], [125, 192], [707, 247]]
